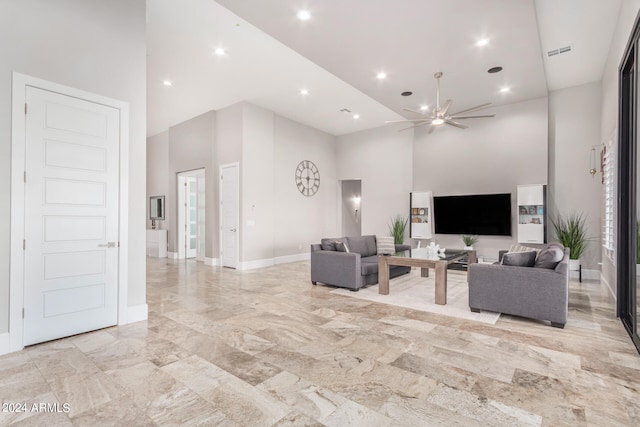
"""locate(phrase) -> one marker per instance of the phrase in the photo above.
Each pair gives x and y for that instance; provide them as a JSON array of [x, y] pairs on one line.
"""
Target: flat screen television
[[482, 214]]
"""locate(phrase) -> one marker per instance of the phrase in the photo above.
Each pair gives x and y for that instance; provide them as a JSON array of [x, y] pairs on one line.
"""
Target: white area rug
[[418, 293]]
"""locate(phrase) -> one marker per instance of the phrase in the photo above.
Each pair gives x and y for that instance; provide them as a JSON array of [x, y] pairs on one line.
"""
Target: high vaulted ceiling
[[270, 55]]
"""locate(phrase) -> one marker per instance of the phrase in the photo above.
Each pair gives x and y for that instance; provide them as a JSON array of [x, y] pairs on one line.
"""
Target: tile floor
[[265, 347]]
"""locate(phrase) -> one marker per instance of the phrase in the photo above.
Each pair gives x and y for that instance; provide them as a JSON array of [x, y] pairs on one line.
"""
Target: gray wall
[[609, 113], [382, 159], [351, 209], [493, 155], [574, 128], [157, 175], [301, 220], [191, 146], [93, 45]]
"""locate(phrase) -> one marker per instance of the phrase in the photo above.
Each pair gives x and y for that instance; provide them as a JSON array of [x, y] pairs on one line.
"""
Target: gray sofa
[[353, 269], [538, 293]]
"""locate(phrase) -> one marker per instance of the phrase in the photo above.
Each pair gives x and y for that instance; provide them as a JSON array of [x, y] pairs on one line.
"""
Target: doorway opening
[[191, 215], [351, 207]]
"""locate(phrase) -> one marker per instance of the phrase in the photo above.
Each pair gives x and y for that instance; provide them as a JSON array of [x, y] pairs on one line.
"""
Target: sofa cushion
[[519, 259], [363, 245], [385, 245], [369, 265], [549, 257]]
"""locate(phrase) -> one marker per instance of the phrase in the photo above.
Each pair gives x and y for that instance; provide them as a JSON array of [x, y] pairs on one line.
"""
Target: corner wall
[[609, 112], [574, 128], [382, 159], [91, 45]]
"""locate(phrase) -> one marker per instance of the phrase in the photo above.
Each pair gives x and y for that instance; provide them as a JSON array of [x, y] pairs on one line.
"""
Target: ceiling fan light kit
[[439, 115]]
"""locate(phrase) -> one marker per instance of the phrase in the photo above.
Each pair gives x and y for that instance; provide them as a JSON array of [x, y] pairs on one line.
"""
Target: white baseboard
[[270, 262], [259, 263], [292, 258], [608, 285], [586, 274], [211, 261], [5, 346], [172, 255], [137, 313]]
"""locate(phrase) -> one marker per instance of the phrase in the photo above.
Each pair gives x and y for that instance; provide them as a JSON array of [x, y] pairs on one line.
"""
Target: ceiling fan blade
[[471, 117], [431, 129], [413, 111], [445, 107], [456, 124], [408, 121], [411, 127], [468, 110]]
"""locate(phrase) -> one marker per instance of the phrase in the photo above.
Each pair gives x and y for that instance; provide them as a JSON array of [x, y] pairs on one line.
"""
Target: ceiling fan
[[439, 115]]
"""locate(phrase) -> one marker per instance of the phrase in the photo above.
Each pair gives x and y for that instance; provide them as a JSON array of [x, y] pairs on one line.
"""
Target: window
[[609, 181]]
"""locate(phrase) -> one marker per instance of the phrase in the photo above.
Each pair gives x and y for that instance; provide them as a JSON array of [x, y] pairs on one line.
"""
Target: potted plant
[[469, 240], [572, 233], [397, 227]]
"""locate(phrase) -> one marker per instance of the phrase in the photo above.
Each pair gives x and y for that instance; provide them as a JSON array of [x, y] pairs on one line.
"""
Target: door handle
[[233, 229], [108, 245]]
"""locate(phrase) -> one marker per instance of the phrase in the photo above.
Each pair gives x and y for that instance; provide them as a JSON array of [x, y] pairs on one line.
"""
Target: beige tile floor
[[265, 347]]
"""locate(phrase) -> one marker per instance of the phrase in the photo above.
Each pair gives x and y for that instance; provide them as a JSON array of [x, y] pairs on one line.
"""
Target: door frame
[[18, 159], [235, 165], [191, 173]]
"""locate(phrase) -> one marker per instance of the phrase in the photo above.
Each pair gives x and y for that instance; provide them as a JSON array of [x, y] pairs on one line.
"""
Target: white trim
[[292, 258], [586, 274], [137, 313], [172, 255], [5, 343], [211, 261], [604, 280], [18, 124], [270, 262]]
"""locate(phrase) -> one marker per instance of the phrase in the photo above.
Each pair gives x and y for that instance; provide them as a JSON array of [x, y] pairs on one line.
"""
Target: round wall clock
[[307, 178]]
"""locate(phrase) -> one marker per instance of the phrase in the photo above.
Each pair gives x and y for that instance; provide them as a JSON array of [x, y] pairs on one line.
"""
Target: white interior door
[[201, 202], [187, 215], [229, 200], [71, 216]]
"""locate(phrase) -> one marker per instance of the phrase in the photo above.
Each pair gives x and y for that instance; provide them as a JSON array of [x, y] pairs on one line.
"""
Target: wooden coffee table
[[420, 257]]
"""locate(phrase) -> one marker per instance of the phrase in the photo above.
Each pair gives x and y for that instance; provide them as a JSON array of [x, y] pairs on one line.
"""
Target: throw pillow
[[342, 247], [549, 257], [328, 245], [385, 245], [519, 259], [516, 248]]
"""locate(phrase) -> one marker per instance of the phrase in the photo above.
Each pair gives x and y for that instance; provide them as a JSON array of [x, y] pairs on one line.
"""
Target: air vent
[[344, 110], [556, 52]]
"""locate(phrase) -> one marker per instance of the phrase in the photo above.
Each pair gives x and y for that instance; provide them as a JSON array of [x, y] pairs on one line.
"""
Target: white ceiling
[[336, 55]]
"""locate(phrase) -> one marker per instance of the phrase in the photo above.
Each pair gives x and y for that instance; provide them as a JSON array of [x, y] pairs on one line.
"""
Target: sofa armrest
[[525, 291], [400, 248], [501, 254], [336, 268]]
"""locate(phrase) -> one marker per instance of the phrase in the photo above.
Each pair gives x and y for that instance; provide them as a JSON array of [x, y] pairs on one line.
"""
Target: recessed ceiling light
[[219, 51], [493, 70], [505, 89], [482, 42], [424, 107], [437, 122], [381, 76], [356, 116], [167, 83], [304, 15], [304, 92], [407, 93]]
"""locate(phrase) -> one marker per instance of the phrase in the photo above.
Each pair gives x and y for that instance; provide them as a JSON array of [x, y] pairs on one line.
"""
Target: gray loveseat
[[538, 293], [353, 269]]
